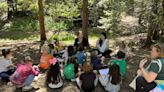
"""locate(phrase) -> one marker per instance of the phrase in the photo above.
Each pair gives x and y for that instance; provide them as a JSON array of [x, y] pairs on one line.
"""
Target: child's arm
[[35, 70]]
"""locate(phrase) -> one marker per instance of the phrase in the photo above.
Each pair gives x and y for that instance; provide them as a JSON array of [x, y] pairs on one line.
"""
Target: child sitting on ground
[[25, 74], [71, 69], [120, 60], [87, 81], [111, 82], [54, 79], [80, 56], [6, 66], [96, 60], [45, 57]]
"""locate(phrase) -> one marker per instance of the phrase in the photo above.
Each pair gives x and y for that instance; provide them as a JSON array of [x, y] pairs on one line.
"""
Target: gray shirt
[[4, 63]]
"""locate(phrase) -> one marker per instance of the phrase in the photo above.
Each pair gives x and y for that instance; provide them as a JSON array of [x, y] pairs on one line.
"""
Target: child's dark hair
[[5, 52], [53, 73], [115, 74], [120, 55], [73, 60], [51, 46], [104, 34], [70, 50]]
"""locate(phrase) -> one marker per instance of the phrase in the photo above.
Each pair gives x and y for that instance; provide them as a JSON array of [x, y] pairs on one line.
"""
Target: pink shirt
[[22, 72]]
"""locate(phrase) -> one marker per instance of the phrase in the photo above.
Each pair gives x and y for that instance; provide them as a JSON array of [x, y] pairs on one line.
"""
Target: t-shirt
[[122, 65], [96, 62], [22, 72], [80, 57], [88, 81], [84, 43], [154, 67], [69, 71], [4, 64], [44, 61]]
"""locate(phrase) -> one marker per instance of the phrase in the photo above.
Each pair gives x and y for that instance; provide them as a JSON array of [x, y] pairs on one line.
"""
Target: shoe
[[73, 80], [26, 88]]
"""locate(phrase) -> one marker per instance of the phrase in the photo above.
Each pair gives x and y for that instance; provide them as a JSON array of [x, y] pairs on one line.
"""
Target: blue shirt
[[80, 57]]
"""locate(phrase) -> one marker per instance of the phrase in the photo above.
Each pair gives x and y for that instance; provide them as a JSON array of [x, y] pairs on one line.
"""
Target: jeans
[[29, 80], [6, 75], [143, 86]]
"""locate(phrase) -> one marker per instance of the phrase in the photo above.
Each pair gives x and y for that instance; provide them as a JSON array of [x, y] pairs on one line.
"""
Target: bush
[[63, 36], [3, 7], [24, 24], [56, 26]]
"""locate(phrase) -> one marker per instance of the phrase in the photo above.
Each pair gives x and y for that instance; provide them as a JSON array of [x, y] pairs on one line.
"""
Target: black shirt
[[83, 44], [88, 81]]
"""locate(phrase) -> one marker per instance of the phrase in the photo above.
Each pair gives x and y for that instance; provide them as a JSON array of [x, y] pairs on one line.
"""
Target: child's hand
[[36, 68]]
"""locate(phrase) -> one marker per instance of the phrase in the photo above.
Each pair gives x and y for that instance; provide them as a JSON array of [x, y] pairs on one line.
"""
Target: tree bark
[[85, 19], [41, 21]]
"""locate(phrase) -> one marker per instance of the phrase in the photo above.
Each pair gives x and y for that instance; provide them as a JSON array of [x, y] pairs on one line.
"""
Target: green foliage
[[111, 13], [52, 25], [63, 36], [151, 11], [64, 9], [23, 24], [3, 7]]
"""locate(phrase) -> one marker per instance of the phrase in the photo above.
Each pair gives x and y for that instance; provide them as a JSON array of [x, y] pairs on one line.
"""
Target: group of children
[[68, 63]]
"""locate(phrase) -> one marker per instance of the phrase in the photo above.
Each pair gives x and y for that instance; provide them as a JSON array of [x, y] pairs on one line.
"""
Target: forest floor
[[21, 48]]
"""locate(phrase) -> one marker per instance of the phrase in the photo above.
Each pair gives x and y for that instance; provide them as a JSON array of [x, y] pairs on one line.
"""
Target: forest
[[26, 25]]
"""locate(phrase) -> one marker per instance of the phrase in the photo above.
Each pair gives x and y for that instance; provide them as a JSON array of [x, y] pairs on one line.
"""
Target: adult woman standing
[[152, 79]]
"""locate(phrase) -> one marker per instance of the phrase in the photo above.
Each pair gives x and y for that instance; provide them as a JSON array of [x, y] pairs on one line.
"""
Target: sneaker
[[73, 80], [26, 88]]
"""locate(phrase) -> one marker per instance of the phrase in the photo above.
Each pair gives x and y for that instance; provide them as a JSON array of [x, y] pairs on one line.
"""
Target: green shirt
[[122, 65], [154, 67], [69, 71]]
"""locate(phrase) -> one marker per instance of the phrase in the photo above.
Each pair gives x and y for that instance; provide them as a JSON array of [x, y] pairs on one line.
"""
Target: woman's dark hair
[[5, 52], [120, 55], [100, 41], [115, 74], [53, 73]]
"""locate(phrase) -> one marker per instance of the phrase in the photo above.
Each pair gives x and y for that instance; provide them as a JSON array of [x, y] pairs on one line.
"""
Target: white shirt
[[4, 63], [104, 46], [108, 86]]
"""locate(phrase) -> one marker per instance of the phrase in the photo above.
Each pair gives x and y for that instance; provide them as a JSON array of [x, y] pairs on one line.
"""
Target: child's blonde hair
[[87, 67]]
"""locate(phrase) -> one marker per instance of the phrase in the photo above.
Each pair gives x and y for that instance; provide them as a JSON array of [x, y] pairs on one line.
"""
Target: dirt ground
[[20, 49]]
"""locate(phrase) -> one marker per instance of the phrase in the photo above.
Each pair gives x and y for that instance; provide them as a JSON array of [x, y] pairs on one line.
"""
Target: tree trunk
[[85, 19], [41, 21]]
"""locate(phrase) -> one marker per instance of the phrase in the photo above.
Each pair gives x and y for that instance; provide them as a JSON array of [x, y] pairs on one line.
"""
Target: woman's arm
[[149, 76]]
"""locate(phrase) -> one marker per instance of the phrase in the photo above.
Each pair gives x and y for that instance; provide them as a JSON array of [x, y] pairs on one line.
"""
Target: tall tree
[[85, 19], [41, 21]]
